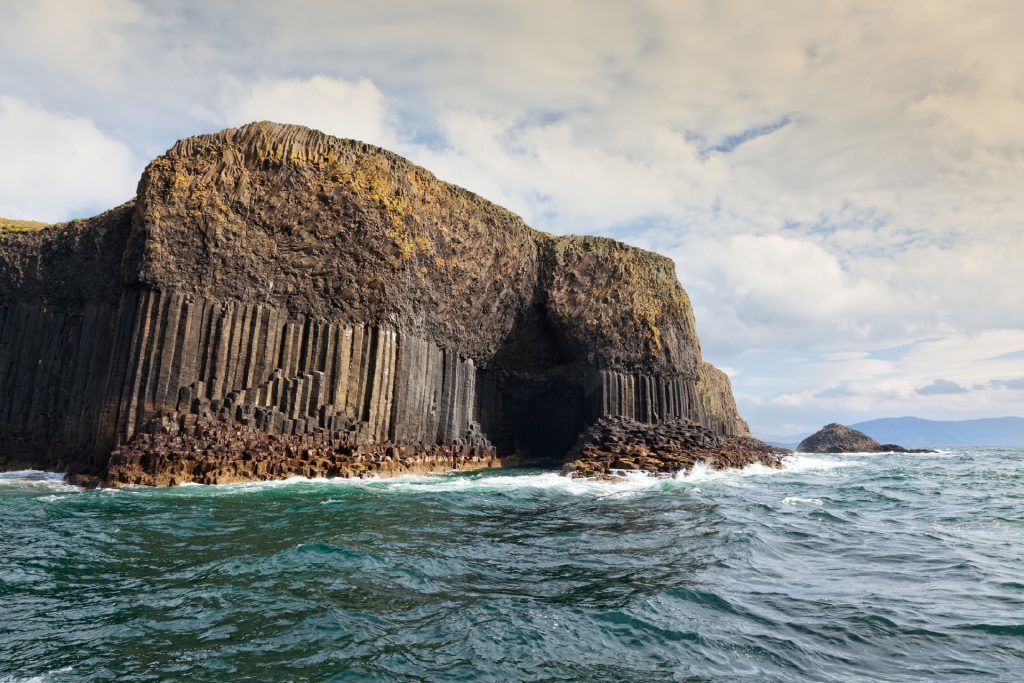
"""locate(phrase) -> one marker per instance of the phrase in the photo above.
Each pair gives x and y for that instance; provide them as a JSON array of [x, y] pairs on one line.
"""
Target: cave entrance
[[541, 405], [547, 420]]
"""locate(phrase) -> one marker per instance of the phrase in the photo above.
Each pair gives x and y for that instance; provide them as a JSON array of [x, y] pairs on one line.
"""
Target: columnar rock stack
[[290, 373], [648, 398], [274, 278]]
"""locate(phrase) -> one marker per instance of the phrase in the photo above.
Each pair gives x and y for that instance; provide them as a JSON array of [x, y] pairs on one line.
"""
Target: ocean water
[[838, 568]]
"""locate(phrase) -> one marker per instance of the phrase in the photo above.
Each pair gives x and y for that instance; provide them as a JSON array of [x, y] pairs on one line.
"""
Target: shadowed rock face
[[334, 296]]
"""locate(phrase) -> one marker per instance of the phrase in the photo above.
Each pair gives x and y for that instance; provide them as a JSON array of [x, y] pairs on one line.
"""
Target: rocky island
[[837, 438], [278, 302]]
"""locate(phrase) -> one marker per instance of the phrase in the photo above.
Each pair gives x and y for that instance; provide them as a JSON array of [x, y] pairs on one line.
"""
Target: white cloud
[[772, 291], [57, 166], [90, 42], [566, 184], [965, 375], [342, 108]]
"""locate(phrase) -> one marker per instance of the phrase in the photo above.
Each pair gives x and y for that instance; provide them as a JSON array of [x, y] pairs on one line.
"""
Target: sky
[[839, 183]]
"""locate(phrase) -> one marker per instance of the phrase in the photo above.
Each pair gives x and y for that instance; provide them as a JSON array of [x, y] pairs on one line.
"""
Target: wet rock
[[215, 451], [615, 445]]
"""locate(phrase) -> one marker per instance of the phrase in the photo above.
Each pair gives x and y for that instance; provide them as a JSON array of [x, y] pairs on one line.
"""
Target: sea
[[891, 567]]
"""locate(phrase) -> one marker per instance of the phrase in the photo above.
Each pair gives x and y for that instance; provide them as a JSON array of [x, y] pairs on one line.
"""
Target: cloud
[[940, 387], [347, 109], [849, 387], [776, 291], [90, 43], [559, 180], [57, 166]]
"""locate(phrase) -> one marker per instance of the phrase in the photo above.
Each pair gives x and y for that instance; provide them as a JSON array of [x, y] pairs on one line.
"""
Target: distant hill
[[916, 432]]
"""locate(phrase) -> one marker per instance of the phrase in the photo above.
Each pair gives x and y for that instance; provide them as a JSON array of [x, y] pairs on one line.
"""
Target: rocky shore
[[205, 450], [615, 445], [215, 449]]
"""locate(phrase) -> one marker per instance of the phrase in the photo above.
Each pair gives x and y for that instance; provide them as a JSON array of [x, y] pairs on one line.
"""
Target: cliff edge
[[319, 293]]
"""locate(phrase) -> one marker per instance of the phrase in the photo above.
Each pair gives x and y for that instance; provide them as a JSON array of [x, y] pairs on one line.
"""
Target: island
[[837, 438], [277, 302]]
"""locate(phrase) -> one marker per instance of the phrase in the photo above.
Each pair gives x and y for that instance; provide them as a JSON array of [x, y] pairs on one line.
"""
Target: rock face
[[613, 446], [274, 280], [837, 438]]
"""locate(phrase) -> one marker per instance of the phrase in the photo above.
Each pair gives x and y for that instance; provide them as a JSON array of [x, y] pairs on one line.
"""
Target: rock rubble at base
[[615, 445], [200, 449], [214, 449]]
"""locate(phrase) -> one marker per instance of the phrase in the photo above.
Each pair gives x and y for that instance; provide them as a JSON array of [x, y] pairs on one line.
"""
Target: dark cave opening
[[548, 422], [534, 401]]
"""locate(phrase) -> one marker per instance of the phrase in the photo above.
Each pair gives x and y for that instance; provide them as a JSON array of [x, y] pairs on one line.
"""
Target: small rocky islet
[[279, 302], [838, 438]]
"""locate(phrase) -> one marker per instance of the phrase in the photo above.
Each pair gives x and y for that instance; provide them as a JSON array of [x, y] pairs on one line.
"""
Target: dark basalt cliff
[[837, 438], [324, 294]]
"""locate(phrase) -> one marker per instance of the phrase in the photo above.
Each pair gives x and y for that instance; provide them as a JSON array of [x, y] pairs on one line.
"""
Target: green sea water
[[837, 568]]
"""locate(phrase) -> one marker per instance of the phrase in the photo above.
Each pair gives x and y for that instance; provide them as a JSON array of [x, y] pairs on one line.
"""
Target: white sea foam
[[796, 500], [625, 483], [36, 679], [800, 462], [629, 481], [36, 479]]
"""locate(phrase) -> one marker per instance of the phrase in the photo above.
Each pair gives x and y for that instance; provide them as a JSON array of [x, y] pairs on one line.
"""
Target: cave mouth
[[547, 418], [541, 403]]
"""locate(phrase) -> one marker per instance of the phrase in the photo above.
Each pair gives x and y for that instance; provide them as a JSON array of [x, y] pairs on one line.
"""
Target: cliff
[[296, 285]]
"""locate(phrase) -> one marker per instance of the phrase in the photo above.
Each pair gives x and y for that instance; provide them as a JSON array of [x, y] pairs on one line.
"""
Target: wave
[[37, 479], [43, 678], [625, 483]]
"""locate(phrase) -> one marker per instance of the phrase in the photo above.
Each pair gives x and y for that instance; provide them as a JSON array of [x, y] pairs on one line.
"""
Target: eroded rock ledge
[[613, 446], [206, 450]]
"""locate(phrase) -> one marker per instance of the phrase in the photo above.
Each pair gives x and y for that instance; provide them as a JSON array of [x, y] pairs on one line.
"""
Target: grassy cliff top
[[14, 225]]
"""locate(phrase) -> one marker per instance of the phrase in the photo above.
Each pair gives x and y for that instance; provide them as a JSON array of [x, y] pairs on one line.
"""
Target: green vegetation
[[11, 225]]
